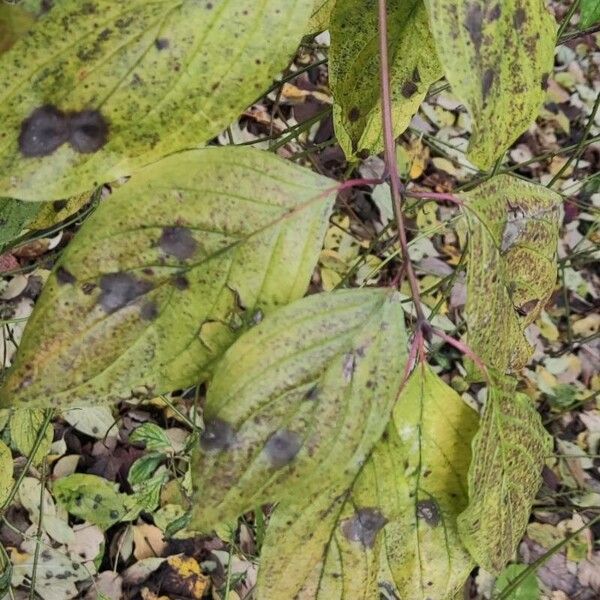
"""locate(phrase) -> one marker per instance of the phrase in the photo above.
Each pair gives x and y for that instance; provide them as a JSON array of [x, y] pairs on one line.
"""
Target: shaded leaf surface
[[512, 265], [144, 78], [394, 532], [509, 451], [354, 69], [496, 56], [167, 272], [298, 402]]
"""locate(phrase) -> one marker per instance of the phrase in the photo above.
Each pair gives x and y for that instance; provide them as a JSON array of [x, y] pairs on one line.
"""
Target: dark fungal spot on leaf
[[162, 43], [282, 447], [58, 205], [409, 88], [354, 114], [429, 511], [119, 289], [63, 276], [217, 435], [474, 23], [486, 82], [178, 242], [45, 130], [181, 282], [348, 366], [495, 12], [313, 393], [416, 76], [519, 18], [149, 311], [89, 131], [364, 526], [545, 77]]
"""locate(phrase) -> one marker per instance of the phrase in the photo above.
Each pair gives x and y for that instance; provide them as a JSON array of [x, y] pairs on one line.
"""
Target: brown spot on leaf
[[545, 77], [486, 82], [474, 23], [217, 435], [45, 130], [162, 43], [149, 311], [354, 114], [119, 289], [409, 88], [181, 282], [429, 511], [519, 18], [364, 526], [282, 447], [63, 276], [416, 76], [495, 12], [178, 242], [58, 205], [89, 131]]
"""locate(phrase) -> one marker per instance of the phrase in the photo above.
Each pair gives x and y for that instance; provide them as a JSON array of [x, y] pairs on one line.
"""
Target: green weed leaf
[[354, 69], [590, 12], [394, 532], [509, 451], [14, 217], [298, 402], [512, 265], [117, 86], [167, 272], [496, 56]]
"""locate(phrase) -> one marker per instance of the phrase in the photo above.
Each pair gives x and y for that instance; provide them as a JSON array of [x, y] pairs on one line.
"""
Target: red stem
[[391, 163]]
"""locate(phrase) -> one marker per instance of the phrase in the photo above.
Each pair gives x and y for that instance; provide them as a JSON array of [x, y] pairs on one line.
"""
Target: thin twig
[[391, 162]]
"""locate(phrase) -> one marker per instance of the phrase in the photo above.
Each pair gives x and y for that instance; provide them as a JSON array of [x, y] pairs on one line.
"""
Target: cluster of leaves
[[211, 254]]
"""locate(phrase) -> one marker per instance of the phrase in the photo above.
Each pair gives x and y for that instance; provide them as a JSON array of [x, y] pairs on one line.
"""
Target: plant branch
[[392, 164]]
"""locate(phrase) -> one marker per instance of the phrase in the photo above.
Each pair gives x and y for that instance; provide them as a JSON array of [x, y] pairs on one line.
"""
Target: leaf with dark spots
[[364, 526], [217, 435], [119, 289], [43, 131], [63, 276], [282, 447], [259, 221], [354, 70], [172, 51], [494, 55], [332, 342], [88, 131], [395, 521], [178, 242]]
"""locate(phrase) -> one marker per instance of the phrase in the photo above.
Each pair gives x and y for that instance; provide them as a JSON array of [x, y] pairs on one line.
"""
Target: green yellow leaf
[[52, 213], [394, 531], [321, 14], [590, 13], [6, 472], [25, 426], [496, 56], [14, 22], [509, 451], [130, 83], [512, 265], [298, 402], [354, 69], [91, 498], [167, 272]]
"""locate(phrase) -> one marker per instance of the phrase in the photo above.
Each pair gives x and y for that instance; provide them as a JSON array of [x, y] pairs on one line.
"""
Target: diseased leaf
[[91, 498], [14, 22], [116, 86], [509, 451], [51, 213], [298, 402], [14, 217], [395, 532], [95, 421], [6, 472], [512, 265], [321, 14], [25, 425], [497, 57], [590, 13], [354, 69], [167, 272]]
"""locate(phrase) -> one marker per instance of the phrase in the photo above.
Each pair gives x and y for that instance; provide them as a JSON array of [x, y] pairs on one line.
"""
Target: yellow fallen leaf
[[587, 326]]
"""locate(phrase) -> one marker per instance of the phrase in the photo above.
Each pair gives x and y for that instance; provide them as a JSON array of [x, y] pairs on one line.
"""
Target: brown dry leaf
[[148, 541]]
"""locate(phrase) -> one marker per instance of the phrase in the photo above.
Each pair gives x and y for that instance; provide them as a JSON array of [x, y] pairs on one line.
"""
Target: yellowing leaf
[[354, 69], [512, 265], [509, 451], [319, 20], [167, 271], [496, 56], [298, 402], [123, 84], [394, 531], [6, 472], [25, 426]]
